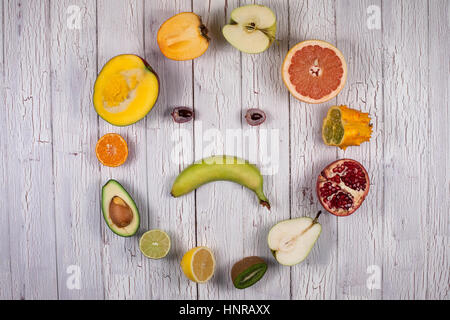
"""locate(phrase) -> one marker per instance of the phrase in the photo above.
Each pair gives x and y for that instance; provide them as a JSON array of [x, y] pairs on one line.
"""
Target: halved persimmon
[[112, 150], [183, 37]]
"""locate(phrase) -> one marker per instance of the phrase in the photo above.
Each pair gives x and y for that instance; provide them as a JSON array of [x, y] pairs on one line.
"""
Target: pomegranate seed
[[336, 179]]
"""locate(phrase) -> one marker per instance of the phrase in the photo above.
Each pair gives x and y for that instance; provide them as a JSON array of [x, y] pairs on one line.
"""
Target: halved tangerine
[[112, 150], [314, 71]]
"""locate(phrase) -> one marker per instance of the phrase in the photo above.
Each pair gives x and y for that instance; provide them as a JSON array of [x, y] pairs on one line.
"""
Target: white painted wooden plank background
[[51, 221]]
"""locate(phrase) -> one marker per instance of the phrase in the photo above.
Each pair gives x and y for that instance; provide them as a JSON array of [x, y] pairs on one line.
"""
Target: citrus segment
[[155, 244], [198, 264], [314, 71], [111, 150]]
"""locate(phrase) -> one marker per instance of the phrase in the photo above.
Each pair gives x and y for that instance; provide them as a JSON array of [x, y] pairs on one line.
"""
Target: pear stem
[[316, 219]]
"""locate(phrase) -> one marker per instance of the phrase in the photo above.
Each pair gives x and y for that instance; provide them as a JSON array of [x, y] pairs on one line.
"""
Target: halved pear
[[291, 241], [252, 28]]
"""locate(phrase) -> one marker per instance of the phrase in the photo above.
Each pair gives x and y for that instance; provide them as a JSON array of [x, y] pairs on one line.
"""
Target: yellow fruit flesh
[[182, 37], [203, 265], [344, 127], [116, 91], [125, 90], [198, 264]]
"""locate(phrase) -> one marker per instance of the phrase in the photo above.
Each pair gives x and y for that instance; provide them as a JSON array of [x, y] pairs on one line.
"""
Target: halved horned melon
[[345, 127], [125, 90]]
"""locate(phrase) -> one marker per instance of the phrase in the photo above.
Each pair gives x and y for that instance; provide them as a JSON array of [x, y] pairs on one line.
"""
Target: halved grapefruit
[[314, 71]]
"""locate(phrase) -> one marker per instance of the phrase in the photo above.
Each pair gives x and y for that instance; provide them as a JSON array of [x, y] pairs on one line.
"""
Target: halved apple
[[252, 28], [125, 90]]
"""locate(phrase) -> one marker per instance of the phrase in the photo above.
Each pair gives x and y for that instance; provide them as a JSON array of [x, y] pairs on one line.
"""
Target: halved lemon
[[199, 264]]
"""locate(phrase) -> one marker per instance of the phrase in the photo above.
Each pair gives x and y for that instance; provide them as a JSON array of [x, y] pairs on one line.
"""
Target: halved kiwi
[[248, 271]]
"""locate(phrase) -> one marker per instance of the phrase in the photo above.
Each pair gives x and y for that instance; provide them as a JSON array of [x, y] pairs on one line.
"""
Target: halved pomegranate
[[342, 187]]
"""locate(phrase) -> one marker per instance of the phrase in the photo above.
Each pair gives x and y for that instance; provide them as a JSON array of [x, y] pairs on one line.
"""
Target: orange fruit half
[[183, 37], [112, 150], [314, 71]]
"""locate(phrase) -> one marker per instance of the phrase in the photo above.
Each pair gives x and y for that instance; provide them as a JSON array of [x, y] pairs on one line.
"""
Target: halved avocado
[[119, 210], [125, 90]]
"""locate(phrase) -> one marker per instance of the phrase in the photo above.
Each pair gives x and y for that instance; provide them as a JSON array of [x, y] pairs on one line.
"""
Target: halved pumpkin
[[125, 90]]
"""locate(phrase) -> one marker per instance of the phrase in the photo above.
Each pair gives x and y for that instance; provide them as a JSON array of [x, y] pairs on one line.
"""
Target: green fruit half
[[155, 244], [248, 271], [119, 209], [252, 28]]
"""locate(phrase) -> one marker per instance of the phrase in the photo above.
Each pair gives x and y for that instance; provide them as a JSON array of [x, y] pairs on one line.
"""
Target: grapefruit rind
[[291, 87]]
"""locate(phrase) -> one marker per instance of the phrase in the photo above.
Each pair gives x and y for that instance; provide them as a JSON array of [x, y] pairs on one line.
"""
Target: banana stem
[[265, 204], [262, 198]]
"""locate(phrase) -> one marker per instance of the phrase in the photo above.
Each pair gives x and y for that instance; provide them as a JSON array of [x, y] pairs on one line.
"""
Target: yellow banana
[[218, 168]]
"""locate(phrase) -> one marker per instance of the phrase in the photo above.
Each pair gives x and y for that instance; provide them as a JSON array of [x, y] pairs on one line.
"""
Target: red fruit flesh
[[342, 187], [316, 77]]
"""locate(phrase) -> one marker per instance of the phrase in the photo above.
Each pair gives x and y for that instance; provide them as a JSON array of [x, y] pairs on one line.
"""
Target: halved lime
[[155, 244]]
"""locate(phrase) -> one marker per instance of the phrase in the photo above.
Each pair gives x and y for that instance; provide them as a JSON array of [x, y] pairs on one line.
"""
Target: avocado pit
[[120, 212]]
